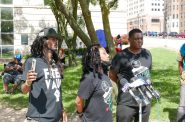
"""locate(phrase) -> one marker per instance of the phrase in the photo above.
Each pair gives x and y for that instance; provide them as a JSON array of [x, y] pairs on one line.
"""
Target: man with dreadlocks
[[94, 102], [44, 83]]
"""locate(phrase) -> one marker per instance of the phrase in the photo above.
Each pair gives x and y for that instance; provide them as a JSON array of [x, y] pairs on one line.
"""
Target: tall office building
[[172, 15], [182, 16], [147, 15]]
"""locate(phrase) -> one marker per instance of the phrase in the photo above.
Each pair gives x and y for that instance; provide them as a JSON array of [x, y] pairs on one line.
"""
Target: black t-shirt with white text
[[45, 99], [97, 95], [123, 64]]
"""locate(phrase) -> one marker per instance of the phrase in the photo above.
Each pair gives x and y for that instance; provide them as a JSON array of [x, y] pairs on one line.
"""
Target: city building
[[172, 15], [146, 15], [21, 20], [182, 16], [175, 15]]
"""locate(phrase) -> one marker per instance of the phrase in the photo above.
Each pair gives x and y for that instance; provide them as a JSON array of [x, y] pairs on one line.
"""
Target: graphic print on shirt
[[138, 70], [53, 81], [108, 93]]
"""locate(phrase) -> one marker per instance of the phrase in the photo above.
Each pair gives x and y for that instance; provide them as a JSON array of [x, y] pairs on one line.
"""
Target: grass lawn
[[164, 75]]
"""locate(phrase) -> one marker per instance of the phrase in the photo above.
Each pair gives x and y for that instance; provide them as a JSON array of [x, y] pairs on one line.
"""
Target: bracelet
[[27, 83]]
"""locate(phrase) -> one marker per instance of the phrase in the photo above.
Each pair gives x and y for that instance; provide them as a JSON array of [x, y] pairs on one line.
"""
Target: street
[[170, 43]]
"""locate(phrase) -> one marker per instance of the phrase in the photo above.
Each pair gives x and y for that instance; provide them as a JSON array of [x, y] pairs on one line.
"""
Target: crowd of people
[[42, 75]]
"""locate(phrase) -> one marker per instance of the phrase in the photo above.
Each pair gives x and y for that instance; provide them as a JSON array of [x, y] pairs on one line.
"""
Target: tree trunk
[[72, 22], [89, 24], [106, 26], [62, 29]]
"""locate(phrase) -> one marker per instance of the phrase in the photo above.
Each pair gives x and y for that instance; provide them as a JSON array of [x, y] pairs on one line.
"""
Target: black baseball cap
[[48, 32]]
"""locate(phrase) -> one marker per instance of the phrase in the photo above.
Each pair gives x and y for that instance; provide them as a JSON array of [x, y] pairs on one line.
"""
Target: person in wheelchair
[[12, 74]]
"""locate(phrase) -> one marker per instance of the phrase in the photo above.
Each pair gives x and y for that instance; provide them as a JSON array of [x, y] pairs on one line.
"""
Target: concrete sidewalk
[[11, 115]]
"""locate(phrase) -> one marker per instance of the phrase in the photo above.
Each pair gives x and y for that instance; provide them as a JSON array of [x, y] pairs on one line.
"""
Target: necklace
[[134, 52]]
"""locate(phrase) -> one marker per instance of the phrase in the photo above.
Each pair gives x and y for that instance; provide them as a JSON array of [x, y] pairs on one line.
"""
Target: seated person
[[12, 74]]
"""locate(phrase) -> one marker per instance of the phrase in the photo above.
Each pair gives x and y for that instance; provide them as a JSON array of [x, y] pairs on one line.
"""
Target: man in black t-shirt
[[43, 80], [123, 69]]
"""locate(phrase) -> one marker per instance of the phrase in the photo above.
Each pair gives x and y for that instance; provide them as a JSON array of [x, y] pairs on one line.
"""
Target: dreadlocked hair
[[38, 46], [91, 61]]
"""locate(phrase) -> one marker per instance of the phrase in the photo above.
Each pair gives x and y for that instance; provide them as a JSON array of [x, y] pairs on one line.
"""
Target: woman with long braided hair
[[43, 81], [94, 102]]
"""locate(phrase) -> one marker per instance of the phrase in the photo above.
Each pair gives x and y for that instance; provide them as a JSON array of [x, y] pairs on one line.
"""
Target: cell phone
[[33, 65]]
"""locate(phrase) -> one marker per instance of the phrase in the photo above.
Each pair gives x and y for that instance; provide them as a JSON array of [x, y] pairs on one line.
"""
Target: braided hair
[[91, 61]]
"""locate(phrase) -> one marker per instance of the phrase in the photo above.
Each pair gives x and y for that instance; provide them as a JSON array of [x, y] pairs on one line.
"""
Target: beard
[[105, 66]]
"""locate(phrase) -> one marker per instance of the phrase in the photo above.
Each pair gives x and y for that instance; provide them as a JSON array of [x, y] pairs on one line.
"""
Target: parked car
[[152, 33], [145, 34], [173, 34], [163, 34], [182, 35]]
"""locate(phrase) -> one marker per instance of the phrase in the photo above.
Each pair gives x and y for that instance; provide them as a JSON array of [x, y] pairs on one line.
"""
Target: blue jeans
[[8, 78]]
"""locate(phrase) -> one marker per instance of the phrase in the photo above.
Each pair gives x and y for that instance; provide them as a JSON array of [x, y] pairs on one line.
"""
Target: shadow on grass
[[166, 81], [70, 87], [172, 114], [16, 100]]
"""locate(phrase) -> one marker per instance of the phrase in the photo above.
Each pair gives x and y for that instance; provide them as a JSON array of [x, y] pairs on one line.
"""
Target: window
[[6, 1], [46, 2], [7, 26], [155, 20], [158, 9], [6, 13], [24, 39], [7, 51], [7, 39]]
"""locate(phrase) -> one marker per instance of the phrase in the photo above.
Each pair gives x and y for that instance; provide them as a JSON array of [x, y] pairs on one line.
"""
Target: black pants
[[127, 113]]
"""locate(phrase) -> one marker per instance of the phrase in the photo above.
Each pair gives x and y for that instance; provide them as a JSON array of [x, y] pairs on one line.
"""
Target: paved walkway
[[11, 115]]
